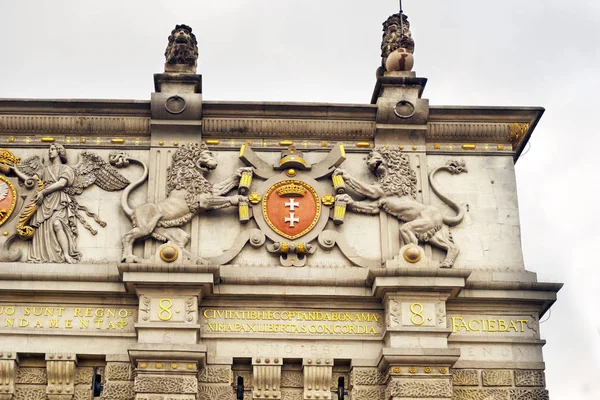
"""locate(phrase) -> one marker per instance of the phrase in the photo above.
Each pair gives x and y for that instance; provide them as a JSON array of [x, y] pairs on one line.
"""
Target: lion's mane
[[184, 174], [400, 178], [182, 53]]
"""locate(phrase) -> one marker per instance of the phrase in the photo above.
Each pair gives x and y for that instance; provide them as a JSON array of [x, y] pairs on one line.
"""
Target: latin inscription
[[44, 317], [216, 321], [485, 325]]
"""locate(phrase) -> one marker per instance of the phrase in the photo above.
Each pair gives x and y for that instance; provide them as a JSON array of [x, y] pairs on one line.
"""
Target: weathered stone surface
[[529, 394], [292, 379], [31, 376], [376, 393], [30, 393], [83, 375], [480, 394], [165, 384], [291, 394], [465, 377], [529, 378], [118, 391], [215, 392], [496, 378], [116, 371], [215, 374], [367, 377], [419, 388]]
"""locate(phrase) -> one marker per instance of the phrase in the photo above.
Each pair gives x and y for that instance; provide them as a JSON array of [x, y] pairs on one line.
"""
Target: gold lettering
[[471, 325], [38, 324], [77, 313], [53, 323], [123, 313], [523, 322], [49, 312], [84, 323], [99, 313], [98, 322], [502, 325], [491, 323], [68, 324], [111, 313], [9, 321], [513, 326], [36, 312], [111, 325], [59, 311], [27, 311], [88, 312], [23, 322]]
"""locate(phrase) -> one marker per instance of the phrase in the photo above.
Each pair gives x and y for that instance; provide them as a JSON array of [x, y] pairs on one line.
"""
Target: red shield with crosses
[[291, 208]]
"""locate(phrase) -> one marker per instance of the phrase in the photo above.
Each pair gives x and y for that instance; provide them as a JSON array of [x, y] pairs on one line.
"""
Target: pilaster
[[61, 376], [267, 378], [9, 362]]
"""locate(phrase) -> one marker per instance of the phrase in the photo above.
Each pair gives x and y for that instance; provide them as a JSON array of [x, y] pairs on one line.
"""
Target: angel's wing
[[3, 190], [93, 169], [32, 165]]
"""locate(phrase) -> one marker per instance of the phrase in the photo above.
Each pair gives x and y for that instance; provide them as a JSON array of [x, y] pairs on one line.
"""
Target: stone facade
[[185, 249]]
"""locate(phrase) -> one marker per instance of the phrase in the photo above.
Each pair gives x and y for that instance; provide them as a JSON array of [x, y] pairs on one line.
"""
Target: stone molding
[[74, 125], [8, 368], [317, 378], [61, 376], [267, 378], [244, 127]]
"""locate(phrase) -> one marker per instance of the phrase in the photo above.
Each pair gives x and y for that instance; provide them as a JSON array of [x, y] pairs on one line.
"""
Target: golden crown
[[6, 157], [291, 190]]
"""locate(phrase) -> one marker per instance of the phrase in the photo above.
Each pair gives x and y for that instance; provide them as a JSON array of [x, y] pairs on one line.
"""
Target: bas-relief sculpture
[[395, 193], [50, 217]]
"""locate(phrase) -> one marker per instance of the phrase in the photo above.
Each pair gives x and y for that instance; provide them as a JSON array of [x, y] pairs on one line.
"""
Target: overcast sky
[[474, 52]]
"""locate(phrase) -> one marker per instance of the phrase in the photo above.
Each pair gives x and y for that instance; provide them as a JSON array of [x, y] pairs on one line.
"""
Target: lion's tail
[[121, 160], [454, 167]]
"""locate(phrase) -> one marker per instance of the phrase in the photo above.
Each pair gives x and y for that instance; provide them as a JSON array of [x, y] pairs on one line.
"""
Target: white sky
[[513, 52]]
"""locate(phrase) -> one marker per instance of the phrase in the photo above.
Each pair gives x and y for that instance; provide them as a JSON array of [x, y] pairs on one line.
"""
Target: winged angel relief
[[53, 211]]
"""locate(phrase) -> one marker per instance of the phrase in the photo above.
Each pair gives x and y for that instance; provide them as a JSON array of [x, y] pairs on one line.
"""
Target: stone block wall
[[498, 384]]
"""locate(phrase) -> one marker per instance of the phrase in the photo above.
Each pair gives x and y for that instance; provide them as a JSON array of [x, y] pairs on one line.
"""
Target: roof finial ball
[[181, 54], [397, 45]]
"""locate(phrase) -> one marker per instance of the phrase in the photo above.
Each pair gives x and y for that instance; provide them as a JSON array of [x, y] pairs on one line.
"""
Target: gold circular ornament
[[443, 370], [190, 366], [159, 366], [397, 370], [169, 254], [328, 200], [412, 254], [291, 172], [254, 198], [412, 370], [143, 365], [427, 370], [8, 199], [174, 366]]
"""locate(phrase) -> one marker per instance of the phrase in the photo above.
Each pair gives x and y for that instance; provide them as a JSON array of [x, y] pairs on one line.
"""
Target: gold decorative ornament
[[412, 370], [469, 147], [401, 147], [143, 365], [500, 147], [7, 189], [23, 230], [11, 139], [174, 366], [427, 370], [169, 254], [159, 365], [328, 200], [443, 370], [82, 140], [363, 144], [414, 147], [174, 143], [291, 172], [286, 143], [292, 157], [301, 249], [47, 139], [5, 233], [117, 140], [161, 143], [254, 198], [397, 370], [284, 247], [323, 144], [190, 366], [412, 254], [437, 146], [6, 157], [516, 132], [291, 190]]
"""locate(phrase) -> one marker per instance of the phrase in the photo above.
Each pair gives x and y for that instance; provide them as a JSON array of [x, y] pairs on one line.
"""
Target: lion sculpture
[[188, 193], [395, 193], [182, 47]]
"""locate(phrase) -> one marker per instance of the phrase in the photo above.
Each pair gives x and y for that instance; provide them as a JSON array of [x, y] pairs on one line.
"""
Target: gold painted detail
[[244, 212], [254, 198], [291, 190], [284, 247], [294, 158], [291, 172], [339, 212], [338, 184], [500, 147], [397, 370], [437, 146], [286, 143], [469, 147], [8, 158], [427, 370], [169, 254], [516, 132], [301, 249], [412, 370], [143, 365], [363, 144], [328, 200], [23, 230], [443, 370], [213, 142], [47, 139], [5, 213], [412, 254], [500, 325], [117, 140]]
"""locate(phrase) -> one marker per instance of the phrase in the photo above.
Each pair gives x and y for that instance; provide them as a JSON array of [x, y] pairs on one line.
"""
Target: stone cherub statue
[[54, 210], [395, 193]]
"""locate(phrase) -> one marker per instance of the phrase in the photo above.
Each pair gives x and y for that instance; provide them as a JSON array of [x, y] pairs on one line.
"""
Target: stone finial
[[181, 54], [397, 45]]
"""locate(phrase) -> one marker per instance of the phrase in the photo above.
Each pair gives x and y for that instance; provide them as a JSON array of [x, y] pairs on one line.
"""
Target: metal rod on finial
[[401, 20]]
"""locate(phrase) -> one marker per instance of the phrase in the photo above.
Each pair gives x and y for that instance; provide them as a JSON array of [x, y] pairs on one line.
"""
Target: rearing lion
[[395, 193], [188, 192]]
